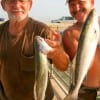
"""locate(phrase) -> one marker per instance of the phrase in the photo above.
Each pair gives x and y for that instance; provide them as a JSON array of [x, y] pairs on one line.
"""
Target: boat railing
[[61, 82]]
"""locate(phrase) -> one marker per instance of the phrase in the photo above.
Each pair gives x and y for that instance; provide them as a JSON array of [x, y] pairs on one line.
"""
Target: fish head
[[39, 39], [43, 46], [91, 26]]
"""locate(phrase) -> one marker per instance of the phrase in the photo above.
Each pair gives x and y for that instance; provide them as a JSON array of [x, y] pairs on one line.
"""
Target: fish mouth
[[39, 39]]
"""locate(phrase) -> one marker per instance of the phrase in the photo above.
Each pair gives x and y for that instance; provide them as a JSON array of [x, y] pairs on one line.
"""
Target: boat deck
[[61, 82]]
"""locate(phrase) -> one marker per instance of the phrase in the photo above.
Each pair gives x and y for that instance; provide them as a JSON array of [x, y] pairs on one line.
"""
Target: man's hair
[[67, 1], [3, 0]]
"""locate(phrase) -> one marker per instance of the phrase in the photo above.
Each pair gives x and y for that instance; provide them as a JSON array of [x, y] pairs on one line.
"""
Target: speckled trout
[[88, 41], [41, 68]]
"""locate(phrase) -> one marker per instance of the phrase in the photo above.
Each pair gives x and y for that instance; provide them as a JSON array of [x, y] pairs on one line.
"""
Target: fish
[[43, 46], [88, 41], [41, 70]]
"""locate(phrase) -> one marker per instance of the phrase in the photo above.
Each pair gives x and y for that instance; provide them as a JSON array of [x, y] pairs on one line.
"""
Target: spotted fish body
[[41, 71], [86, 50]]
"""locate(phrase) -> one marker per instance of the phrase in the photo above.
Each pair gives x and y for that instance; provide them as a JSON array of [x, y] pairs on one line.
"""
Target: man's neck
[[79, 24], [16, 27]]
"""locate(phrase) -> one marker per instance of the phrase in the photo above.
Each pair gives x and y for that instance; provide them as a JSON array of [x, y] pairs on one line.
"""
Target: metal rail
[[63, 79]]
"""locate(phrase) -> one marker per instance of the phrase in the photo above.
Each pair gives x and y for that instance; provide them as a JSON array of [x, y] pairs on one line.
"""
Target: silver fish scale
[[41, 72]]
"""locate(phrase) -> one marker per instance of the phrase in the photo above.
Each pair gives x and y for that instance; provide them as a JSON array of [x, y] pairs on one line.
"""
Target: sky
[[47, 10]]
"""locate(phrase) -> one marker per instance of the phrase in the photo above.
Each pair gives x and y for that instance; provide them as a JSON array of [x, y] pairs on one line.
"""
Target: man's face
[[17, 9], [79, 9]]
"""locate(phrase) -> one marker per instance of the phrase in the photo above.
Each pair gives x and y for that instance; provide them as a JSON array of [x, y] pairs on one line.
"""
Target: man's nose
[[77, 7]]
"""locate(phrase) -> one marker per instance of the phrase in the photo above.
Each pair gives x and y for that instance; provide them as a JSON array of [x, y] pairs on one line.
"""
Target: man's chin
[[17, 19]]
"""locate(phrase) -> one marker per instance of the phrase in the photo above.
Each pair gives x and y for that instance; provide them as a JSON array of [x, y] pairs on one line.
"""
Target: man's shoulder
[[72, 33], [69, 29], [3, 25], [40, 28], [72, 29], [37, 22]]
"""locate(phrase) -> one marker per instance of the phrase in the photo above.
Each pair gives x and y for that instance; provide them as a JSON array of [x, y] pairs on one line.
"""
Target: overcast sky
[[46, 10]]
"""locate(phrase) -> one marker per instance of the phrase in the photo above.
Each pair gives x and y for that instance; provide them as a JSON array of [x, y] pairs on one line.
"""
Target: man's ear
[[3, 4], [30, 4], [92, 1]]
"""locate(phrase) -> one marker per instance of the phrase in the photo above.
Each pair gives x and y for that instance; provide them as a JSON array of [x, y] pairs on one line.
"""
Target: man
[[79, 9], [17, 70]]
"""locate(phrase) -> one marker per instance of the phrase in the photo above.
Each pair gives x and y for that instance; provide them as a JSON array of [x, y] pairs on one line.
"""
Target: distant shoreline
[[60, 26]]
